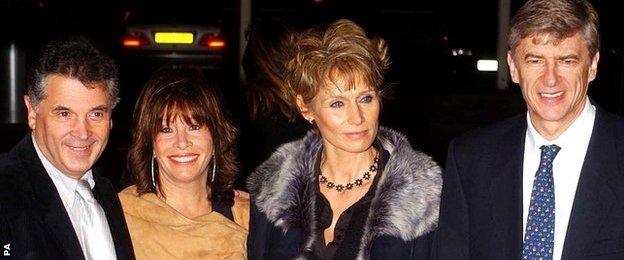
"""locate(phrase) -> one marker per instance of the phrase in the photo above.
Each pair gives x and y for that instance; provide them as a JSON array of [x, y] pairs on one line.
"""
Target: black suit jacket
[[481, 210], [33, 220]]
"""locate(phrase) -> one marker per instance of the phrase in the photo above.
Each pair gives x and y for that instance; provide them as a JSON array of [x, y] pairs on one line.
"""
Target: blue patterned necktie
[[539, 238]]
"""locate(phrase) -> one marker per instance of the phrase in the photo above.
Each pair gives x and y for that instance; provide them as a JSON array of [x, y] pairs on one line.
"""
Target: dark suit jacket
[[33, 219], [481, 210]]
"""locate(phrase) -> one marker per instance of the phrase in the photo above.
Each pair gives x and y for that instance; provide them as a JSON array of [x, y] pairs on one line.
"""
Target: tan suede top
[[159, 232]]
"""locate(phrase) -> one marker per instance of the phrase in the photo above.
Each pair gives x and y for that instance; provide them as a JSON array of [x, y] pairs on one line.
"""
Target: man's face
[[554, 78], [71, 124]]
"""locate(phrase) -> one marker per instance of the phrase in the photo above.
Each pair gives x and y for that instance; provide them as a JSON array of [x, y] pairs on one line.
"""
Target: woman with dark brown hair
[[182, 160]]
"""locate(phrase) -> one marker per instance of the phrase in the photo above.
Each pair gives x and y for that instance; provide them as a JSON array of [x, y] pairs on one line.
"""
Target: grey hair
[[76, 58], [557, 20], [37, 92]]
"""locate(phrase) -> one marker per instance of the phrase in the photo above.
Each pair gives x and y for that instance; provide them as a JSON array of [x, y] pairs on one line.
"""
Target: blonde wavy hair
[[340, 50]]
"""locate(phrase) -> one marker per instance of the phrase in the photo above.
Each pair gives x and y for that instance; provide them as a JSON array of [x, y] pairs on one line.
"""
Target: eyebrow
[[357, 94], [569, 56], [60, 108], [564, 57], [531, 55], [100, 107], [96, 108]]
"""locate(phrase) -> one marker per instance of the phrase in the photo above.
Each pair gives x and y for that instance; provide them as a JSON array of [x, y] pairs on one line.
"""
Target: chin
[[77, 170], [359, 148], [188, 175]]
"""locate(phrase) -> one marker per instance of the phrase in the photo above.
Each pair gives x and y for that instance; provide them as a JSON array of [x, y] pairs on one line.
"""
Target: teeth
[[78, 148], [183, 159], [553, 95]]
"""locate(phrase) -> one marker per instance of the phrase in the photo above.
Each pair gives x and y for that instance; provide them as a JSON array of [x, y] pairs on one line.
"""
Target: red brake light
[[212, 42], [216, 44], [133, 41]]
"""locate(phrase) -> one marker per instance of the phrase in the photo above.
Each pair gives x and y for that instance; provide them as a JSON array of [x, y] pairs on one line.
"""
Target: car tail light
[[134, 40], [212, 42]]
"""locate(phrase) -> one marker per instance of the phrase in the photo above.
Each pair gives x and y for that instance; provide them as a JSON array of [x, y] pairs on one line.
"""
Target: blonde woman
[[349, 189]]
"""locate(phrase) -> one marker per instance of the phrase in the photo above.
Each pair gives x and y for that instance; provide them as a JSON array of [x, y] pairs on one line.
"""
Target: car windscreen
[[174, 12]]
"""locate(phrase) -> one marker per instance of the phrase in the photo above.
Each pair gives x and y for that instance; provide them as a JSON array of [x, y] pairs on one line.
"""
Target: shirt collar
[[581, 127]]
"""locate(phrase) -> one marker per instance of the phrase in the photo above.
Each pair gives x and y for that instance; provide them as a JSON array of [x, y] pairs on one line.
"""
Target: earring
[[311, 121], [152, 170], [214, 165]]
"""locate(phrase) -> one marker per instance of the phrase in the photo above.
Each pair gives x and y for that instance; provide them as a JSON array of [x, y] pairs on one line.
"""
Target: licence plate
[[173, 37]]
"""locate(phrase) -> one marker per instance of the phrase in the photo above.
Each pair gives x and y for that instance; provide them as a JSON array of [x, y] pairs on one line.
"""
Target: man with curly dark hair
[[53, 204]]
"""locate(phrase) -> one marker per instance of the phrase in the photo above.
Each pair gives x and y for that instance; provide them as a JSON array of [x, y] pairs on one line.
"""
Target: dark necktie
[[539, 237]]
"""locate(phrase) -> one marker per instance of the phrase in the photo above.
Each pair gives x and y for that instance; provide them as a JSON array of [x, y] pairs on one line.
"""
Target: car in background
[[176, 43], [189, 34]]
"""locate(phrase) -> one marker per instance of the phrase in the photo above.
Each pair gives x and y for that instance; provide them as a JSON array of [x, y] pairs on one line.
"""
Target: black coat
[[399, 224], [33, 220], [481, 210]]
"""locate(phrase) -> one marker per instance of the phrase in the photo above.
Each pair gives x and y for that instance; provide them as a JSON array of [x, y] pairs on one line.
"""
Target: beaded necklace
[[357, 182]]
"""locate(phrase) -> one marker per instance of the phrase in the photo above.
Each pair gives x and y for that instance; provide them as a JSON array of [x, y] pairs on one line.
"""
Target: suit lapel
[[105, 195], [48, 202], [594, 194], [506, 194]]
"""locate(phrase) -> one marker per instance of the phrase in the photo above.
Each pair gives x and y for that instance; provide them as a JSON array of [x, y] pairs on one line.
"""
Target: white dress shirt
[[566, 169], [66, 188]]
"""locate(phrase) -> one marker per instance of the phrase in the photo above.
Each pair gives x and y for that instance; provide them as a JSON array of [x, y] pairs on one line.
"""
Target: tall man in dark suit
[[53, 205], [548, 184]]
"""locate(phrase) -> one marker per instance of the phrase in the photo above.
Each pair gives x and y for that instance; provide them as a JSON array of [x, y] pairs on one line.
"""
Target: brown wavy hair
[[182, 92], [269, 47], [341, 49]]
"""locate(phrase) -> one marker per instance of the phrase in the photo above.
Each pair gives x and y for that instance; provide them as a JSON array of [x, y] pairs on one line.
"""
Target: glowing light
[[173, 37], [487, 65]]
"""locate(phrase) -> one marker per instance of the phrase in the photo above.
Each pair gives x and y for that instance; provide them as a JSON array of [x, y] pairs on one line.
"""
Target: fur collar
[[406, 204]]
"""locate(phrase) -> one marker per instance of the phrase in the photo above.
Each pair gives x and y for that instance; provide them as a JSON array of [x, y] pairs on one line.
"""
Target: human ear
[[304, 109], [513, 71], [593, 68], [32, 113]]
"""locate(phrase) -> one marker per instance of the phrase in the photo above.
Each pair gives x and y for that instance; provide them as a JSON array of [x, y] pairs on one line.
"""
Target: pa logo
[[6, 250]]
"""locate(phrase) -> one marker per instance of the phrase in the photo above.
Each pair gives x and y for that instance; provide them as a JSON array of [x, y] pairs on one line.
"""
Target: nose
[[182, 140], [550, 76], [355, 115], [81, 129]]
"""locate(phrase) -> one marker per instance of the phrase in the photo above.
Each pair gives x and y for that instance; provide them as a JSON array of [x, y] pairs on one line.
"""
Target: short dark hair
[[557, 19], [183, 92], [78, 58]]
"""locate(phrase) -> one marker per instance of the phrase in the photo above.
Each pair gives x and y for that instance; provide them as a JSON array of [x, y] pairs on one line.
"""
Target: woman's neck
[[189, 199], [341, 167]]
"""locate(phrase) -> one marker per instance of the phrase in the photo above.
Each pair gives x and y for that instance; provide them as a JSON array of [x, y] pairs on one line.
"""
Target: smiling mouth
[[551, 95], [80, 149], [184, 158]]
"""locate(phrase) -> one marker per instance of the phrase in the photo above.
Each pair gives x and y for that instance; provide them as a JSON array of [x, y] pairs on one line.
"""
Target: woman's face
[[183, 151], [346, 116]]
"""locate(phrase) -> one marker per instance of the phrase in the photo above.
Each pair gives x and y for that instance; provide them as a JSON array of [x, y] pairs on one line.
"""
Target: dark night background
[[436, 95]]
